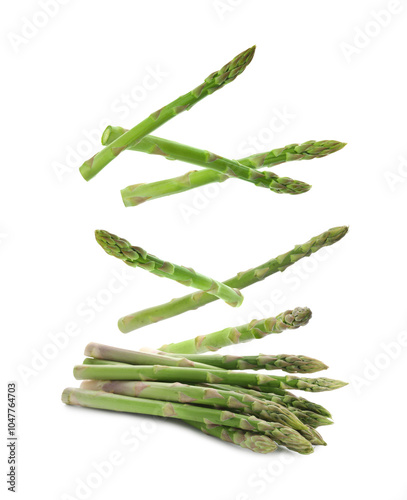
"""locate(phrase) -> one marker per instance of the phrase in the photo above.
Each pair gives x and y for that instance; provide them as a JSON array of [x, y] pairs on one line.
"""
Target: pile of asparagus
[[213, 393], [216, 168]]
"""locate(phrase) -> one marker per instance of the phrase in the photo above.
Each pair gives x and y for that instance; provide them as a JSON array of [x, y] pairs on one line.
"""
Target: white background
[[61, 84]]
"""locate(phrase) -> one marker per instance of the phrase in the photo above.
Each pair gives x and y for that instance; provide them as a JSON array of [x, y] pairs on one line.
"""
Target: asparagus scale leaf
[[137, 257], [213, 82], [256, 329], [241, 280]]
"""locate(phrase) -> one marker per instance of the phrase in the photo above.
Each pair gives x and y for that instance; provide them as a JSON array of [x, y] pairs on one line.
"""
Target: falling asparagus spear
[[137, 257], [224, 169], [198, 376], [102, 400], [240, 281], [256, 329], [139, 193], [213, 82]]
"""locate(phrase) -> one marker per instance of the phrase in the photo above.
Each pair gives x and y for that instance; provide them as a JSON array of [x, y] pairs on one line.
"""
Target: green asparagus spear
[[199, 376], [240, 281], [102, 400], [151, 144], [308, 417], [224, 169], [213, 82], [198, 395], [256, 329], [108, 353], [285, 398], [309, 413], [137, 257], [138, 193], [287, 362], [258, 443]]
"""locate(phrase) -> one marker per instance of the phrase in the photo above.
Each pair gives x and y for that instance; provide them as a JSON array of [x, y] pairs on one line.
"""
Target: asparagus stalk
[[256, 329], [102, 400], [151, 144], [240, 281], [224, 169], [197, 395], [287, 362], [198, 376], [109, 354], [309, 413], [137, 257], [258, 443], [213, 82], [138, 193], [308, 417]]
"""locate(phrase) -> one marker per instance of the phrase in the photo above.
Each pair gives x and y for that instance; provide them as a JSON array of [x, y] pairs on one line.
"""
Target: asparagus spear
[[240, 281], [213, 82], [223, 168], [308, 417], [256, 329], [287, 362], [292, 152], [138, 193], [102, 400], [197, 395], [199, 376], [137, 257], [309, 413], [290, 400], [109, 354], [258, 443]]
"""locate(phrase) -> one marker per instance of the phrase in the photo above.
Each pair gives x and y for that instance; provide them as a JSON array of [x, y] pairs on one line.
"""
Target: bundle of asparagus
[[216, 168], [255, 411]]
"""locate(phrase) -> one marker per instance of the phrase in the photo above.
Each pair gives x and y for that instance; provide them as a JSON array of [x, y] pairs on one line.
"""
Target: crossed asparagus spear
[[217, 168]]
